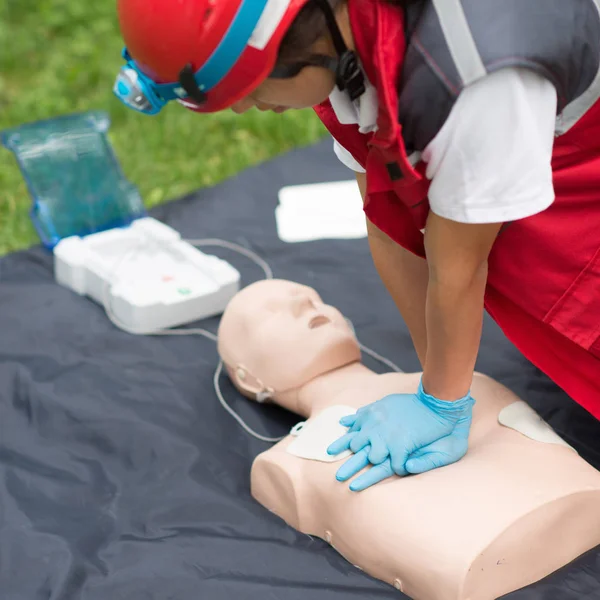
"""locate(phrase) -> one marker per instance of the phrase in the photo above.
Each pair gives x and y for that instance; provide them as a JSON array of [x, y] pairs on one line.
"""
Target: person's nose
[[242, 106], [263, 107]]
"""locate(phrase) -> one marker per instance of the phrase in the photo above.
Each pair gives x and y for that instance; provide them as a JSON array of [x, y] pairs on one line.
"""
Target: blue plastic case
[[73, 176]]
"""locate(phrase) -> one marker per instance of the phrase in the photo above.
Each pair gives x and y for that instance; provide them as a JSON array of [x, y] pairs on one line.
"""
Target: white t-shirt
[[491, 161]]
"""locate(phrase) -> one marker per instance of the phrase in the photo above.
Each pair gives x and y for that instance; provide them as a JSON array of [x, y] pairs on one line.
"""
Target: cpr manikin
[[518, 506]]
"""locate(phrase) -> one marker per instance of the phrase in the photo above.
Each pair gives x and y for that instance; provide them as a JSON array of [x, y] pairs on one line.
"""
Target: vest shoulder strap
[[454, 43]]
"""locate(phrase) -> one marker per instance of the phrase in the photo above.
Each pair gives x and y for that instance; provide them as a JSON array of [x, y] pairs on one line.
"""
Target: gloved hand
[[402, 434]]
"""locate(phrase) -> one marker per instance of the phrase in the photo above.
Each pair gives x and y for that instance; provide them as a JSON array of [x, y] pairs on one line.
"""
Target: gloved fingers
[[341, 444], [358, 423], [359, 441], [348, 420], [362, 417], [353, 465], [379, 450], [442, 453], [428, 461], [399, 458], [372, 476], [360, 412]]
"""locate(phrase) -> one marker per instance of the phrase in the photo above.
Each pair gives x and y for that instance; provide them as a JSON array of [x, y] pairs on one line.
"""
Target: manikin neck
[[305, 399]]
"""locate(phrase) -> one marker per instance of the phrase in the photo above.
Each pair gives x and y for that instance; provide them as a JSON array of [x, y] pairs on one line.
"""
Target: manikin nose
[[303, 304]]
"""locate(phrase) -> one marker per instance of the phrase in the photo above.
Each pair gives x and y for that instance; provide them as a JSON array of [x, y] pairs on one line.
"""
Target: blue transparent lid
[[73, 176]]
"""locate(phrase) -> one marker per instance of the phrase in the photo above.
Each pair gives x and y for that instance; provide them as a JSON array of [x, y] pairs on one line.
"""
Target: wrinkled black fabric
[[121, 476]]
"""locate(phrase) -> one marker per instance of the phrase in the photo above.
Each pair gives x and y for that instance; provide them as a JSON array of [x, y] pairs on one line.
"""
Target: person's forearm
[[405, 277], [454, 318]]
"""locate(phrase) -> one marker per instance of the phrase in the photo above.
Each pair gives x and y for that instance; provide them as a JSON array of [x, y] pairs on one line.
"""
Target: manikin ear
[[247, 384]]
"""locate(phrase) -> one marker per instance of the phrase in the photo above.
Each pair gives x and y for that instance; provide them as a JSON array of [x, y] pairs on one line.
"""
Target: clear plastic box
[[73, 176]]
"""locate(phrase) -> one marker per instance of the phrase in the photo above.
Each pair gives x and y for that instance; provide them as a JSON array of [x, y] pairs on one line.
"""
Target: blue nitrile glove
[[402, 434]]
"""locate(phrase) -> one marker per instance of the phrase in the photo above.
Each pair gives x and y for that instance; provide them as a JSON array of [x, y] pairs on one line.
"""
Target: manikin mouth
[[318, 321]]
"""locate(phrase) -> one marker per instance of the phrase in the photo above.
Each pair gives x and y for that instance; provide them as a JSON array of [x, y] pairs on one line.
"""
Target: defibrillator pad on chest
[[522, 418], [313, 437]]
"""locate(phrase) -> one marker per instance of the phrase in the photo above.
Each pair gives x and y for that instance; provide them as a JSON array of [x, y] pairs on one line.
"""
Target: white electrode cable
[[236, 248], [207, 334], [194, 331], [385, 361], [241, 422]]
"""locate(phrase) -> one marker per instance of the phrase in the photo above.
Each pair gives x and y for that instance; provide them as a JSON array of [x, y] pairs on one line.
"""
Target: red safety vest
[[544, 271]]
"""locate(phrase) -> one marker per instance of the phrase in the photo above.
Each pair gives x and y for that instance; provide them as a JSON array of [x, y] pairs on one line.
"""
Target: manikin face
[[284, 335]]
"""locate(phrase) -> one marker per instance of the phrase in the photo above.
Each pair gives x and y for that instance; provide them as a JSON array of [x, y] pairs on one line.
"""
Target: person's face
[[310, 87]]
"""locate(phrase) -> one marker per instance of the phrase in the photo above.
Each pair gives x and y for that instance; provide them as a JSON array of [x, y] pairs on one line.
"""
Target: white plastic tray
[[150, 278]]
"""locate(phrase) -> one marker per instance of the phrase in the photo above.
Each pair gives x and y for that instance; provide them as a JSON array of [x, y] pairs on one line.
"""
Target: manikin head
[[275, 336]]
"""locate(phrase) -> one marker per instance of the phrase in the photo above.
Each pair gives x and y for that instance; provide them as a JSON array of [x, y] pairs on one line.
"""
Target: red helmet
[[236, 40]]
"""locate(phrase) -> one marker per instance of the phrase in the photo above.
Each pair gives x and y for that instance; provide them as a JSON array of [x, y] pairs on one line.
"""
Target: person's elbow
[[458, 273], [457, 253]]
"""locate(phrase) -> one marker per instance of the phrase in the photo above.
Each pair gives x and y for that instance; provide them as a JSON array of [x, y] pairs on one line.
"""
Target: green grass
[[61, 56]]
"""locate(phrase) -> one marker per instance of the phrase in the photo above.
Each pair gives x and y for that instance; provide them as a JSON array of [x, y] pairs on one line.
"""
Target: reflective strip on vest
[[576, 109], [460, 40], [453, 43]]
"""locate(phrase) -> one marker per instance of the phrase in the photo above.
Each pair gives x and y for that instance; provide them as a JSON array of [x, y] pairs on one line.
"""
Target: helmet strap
[[348, 73], [187, 80]]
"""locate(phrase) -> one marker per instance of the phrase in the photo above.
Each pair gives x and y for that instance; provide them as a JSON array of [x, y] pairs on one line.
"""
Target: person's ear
[[247, 384]]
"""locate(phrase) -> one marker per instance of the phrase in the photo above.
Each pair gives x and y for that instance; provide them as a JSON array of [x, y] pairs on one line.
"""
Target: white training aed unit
[[146, 276]]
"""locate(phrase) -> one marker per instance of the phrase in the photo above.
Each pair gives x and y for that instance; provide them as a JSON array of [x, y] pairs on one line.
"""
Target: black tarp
[[121, 476]]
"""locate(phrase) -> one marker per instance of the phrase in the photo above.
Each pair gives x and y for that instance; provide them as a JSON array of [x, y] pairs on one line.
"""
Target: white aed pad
[[147, 276], [522, 418], [313, 437], [320, 211]]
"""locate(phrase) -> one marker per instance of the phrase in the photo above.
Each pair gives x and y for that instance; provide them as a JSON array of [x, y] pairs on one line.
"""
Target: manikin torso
[[518, 506]]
